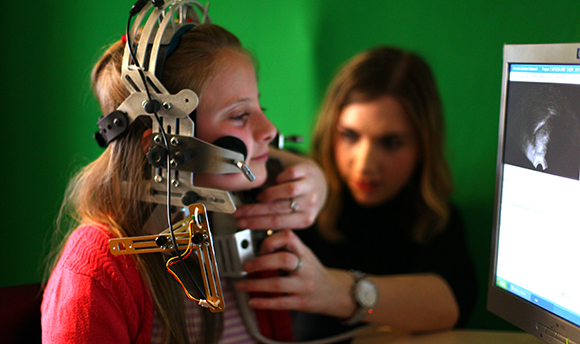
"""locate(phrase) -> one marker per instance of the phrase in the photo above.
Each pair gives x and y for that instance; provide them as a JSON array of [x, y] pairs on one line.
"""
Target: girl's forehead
[[228, 55], [228, 61], [233, 82]]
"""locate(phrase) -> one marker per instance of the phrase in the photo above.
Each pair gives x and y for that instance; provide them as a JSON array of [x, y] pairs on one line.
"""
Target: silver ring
[[293, 205], [298, 266]]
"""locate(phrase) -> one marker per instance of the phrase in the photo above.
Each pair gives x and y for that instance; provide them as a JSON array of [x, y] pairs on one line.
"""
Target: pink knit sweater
[[95, 297]]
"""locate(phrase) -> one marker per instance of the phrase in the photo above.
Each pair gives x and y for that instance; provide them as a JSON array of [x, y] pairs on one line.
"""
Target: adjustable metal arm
[[194, 231]]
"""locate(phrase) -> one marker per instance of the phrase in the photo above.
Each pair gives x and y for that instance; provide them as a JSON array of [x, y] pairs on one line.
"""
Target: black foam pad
[[232, 143]]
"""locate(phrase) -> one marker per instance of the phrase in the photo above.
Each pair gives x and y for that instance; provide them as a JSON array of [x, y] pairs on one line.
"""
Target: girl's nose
[[265, 131]]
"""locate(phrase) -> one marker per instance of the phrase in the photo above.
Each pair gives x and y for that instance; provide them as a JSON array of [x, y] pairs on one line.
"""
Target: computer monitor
[[535, 262]]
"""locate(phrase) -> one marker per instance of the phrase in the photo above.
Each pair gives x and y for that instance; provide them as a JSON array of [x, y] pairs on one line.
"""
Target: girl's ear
[[146, 142]]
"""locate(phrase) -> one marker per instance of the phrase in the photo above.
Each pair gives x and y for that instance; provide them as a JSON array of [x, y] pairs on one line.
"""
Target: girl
[[95, 297]]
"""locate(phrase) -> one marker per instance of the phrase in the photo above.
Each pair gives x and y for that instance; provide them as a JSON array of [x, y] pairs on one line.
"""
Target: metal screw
[[173, 163], [174, 141], [157, 138], [158, 178], [166, 105], [175, 182]]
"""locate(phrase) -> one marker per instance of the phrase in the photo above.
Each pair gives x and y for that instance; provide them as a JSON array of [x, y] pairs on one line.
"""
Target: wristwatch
[[365, 295]]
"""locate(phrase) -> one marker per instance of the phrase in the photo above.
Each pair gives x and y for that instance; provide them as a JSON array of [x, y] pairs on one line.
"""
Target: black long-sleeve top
[[378, 242]]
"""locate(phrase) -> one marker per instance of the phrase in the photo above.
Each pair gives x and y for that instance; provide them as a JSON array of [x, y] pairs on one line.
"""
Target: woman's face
[[376, 149], [229, 106]]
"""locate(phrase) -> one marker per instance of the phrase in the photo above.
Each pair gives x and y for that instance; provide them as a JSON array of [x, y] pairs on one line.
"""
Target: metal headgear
[[173, 130]]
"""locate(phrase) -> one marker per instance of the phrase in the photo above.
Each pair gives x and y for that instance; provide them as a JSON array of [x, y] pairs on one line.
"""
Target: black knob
[[189, 197], [197, 239], [152, 106], [161, 241], [100, 139], [157, 156]]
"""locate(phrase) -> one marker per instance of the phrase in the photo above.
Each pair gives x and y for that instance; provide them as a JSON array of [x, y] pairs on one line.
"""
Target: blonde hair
[[97, 194], [378, 72]]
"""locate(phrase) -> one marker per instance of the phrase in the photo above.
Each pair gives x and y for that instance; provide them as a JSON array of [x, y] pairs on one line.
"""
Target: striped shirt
[[234, 330]]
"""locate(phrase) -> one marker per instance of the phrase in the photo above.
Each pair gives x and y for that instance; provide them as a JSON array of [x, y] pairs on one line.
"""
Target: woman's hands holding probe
[[307, 286], [410, 302]]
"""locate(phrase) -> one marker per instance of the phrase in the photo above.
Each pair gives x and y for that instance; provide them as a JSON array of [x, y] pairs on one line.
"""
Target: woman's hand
[[308, 286], [293, 202], [411, 302]]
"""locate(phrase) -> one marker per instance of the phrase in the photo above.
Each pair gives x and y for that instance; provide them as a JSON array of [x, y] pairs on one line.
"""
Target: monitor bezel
[[500, 302]]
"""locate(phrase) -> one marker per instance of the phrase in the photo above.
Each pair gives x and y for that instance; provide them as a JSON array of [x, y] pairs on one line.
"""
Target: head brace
[[175, 154]]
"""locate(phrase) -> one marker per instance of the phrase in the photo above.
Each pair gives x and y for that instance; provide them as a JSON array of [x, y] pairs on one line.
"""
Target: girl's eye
[[240, 117]]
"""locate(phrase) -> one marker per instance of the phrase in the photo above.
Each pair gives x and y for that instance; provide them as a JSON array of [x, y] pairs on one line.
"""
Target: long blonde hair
[[97, 194], [388, 71]]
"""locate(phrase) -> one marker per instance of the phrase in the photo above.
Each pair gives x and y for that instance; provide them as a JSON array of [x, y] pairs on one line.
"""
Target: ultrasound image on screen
[[543, 128]]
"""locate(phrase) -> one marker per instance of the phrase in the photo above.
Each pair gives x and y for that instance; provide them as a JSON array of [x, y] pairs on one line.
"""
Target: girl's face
[[376, 149], [229, 106]]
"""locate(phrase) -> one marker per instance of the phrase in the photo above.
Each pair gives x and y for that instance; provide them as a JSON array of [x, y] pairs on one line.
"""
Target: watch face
[[366, 293]]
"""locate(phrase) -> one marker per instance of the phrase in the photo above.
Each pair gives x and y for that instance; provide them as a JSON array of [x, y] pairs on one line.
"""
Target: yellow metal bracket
[[201, 240]]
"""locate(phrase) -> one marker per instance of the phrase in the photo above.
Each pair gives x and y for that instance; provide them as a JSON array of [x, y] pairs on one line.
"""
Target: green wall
[[49, 114]]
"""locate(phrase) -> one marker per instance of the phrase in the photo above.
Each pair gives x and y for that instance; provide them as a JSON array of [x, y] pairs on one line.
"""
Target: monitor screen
[[535, 267]]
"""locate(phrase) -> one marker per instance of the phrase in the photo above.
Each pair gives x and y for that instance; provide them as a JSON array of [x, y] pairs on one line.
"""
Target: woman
[[379, 139], [95, 297]]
